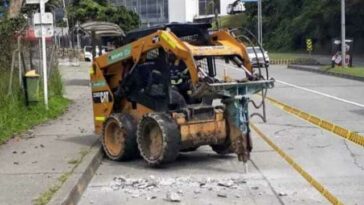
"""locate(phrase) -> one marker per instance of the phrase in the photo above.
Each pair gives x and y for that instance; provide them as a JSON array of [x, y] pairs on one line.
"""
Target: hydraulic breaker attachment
[[236, 98]]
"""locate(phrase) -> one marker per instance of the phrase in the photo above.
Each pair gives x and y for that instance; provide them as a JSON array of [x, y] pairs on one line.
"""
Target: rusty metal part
[[198, 132]]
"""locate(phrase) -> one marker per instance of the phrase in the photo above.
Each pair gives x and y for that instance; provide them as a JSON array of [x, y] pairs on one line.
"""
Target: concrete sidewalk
[[31, 164]]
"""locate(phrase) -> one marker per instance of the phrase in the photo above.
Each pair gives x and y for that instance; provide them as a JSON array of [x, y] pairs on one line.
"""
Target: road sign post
[[343, 34], [44, 56], [42, 21], [260, 19]]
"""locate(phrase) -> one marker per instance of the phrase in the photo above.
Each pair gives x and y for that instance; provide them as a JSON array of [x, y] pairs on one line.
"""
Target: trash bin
[[32, 86]]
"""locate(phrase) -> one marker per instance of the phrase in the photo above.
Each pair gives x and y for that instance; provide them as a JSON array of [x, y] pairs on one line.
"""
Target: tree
[[287, 23], [100, 10], [15, 8]]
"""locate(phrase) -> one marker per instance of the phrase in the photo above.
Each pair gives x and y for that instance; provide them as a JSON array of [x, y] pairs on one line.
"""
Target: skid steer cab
[[174, 88]]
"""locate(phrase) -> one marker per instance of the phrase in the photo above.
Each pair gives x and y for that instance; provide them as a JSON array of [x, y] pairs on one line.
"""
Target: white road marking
[[320, 93]]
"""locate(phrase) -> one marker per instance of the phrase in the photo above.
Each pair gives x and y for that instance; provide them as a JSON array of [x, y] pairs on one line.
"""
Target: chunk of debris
[[239, 181], [196, 191], [282, 194], [166, 182], [255, 188], [151, 197], [222, 195], [173, 197], [227, 184], [119, 179]]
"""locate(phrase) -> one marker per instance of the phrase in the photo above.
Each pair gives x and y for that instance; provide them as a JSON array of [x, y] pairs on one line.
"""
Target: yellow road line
[[331, 127], [320, 188]]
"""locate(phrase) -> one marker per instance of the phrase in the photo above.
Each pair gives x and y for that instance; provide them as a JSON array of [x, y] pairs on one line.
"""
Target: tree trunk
[[15, 7]]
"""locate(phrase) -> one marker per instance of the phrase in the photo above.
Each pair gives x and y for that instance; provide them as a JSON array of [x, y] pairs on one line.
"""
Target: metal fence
[[23, 55]]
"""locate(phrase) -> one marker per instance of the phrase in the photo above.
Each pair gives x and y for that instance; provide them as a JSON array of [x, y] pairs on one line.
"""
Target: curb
[[317, 70], [281, 61], [72, 190]]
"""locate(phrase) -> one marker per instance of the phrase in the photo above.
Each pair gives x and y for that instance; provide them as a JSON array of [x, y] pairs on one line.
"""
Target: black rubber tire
[[177, 99], [125, 122], [191, 149], [222, 149], [170, 138]]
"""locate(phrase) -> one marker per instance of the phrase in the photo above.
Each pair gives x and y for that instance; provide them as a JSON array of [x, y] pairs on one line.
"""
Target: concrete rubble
[[151, 187]]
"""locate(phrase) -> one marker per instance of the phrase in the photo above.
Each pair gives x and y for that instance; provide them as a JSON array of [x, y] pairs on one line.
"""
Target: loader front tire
[[158, 139], [223, 149], [119, 137]]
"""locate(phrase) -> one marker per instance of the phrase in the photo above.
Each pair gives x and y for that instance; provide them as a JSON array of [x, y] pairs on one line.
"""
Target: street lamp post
[[343, 43], [260, 27]]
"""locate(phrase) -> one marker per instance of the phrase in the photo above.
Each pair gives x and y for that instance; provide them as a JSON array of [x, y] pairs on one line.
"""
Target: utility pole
[[343, 42], [78, 35], [67, 24], [260, 27]]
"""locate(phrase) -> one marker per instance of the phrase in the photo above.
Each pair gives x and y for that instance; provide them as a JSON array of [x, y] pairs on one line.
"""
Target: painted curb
[[317, 70], [71, 191]]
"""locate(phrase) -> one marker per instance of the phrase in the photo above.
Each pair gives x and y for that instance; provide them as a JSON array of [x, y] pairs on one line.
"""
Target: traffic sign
[[309, 46], [48, 31], [35, 1], [46, 18]]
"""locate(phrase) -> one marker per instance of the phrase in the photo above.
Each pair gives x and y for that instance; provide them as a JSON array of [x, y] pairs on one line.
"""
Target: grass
[[284, 56], [15, 117], [355, 71], [73, 161]]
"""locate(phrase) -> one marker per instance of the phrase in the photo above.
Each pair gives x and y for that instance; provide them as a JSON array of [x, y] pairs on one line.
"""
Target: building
[[154, 12]]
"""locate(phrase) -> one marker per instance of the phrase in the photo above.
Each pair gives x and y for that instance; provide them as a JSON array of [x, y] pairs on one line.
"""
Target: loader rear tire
[[158, 139], [119, 137]]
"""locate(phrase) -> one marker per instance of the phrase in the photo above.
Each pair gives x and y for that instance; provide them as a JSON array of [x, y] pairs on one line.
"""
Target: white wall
[[223, 6], [186, 10], [177, 10], [191, 10]]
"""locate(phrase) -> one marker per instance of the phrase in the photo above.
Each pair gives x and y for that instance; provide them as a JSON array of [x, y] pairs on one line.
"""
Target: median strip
[[319, 187], [326, 125]]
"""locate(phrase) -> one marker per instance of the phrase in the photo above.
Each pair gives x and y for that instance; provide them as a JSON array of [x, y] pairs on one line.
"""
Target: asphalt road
[[203, 177]]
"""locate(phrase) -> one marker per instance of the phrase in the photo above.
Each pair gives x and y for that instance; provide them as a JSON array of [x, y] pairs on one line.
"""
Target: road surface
[[202, 177]]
